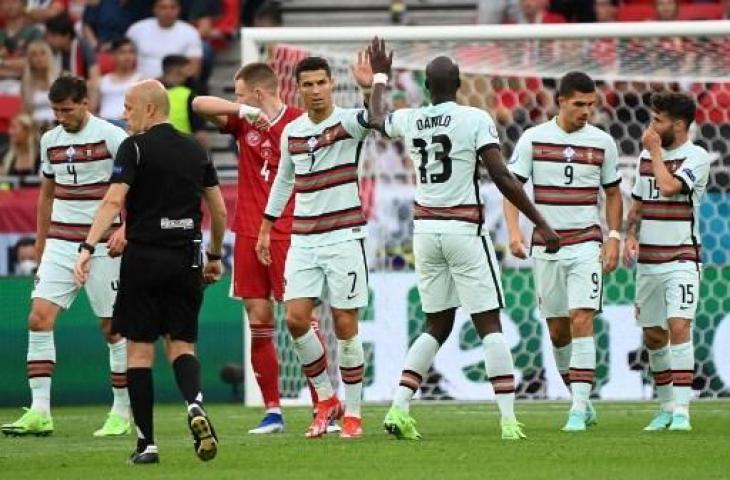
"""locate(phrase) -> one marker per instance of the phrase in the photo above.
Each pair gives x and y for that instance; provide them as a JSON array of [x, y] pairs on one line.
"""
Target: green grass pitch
[[460, 441]]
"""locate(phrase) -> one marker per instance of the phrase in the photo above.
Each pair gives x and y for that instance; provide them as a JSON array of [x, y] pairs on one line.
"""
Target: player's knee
[[581, 323], [39, 322], [259, 314], [655, 338], [679, 332], [560, 337], [298, 324]]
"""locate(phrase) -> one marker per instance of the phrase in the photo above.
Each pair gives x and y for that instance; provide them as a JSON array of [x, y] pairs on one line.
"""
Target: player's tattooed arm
[[380, 62], [633, 224], [512, 190]]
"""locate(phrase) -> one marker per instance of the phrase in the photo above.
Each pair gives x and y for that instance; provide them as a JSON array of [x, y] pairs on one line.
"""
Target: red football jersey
[[258, 162]]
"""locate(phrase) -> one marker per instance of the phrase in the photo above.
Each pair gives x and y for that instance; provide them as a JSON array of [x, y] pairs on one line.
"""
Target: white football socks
[[41, 360], [418, 360]]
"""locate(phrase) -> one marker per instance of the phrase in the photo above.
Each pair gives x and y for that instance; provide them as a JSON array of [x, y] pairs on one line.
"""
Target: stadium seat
[[635, 13], [10, 106], [701, 11]]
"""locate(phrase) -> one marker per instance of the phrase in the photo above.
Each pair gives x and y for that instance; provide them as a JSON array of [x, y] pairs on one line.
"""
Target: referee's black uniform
[[160, 282], [161, 276]]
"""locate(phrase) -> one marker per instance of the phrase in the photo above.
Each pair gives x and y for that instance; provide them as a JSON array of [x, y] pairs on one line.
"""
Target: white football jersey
[[669, 236], [444, 142], [320, 162], [80, 163], [567, 170]]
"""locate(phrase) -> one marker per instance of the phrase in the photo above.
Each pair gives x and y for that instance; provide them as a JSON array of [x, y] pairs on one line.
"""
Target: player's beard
[[668, 138]]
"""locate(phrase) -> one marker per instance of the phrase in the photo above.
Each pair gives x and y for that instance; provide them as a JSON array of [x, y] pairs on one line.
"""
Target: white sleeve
[[694, 171], [395, 123], [486, 131], [283, 185], [520, 163], [46, 168], [116, 137], [637, 193], [355, 122], [610, 175]]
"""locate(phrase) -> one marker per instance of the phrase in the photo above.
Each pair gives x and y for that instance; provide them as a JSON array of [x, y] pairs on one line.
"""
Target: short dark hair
[[68, 87], [23, 242], [174, 61], [259, 74], [679, 106], [575, 82], [121, 42], [270, 9], [61, 25], [311, 64]]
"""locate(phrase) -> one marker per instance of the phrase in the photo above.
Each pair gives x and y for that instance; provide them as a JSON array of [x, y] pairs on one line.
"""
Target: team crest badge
[[569, 153], [70, 154], [253, 138], [312, 143]]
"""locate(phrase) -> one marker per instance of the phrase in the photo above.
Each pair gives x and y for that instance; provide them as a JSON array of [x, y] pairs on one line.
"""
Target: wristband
[[380, 78], [247, 111], [614, 234], [212, 256], [87, 246]]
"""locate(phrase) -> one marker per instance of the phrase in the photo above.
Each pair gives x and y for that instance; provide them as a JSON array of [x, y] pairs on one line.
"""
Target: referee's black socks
[[141, 399], [187, 374]]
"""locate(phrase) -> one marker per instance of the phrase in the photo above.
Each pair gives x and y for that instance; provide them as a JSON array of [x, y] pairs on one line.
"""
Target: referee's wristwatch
[[213, 257], [87, 246]]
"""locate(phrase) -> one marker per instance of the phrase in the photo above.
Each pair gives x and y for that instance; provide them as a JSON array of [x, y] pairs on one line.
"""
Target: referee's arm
[[110, 208], [217, 209]]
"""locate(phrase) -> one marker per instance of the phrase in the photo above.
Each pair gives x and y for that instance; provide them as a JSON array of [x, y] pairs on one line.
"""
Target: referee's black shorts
[[159, 294]]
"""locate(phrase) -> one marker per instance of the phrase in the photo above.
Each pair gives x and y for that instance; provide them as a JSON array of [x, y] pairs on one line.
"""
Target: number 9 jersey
[[567, 170], [445, 141]]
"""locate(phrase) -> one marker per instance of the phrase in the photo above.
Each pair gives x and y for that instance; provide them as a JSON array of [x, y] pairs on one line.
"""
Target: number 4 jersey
[[567, 170], [444, 142], [80, 163], [258, 162]]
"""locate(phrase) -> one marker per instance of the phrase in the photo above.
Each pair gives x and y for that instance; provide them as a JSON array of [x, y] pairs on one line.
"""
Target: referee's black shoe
[[147, 456], [205, 441]]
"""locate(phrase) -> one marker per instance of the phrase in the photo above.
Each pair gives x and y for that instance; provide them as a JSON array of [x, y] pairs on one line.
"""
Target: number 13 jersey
[[444, 142], [567, 170]]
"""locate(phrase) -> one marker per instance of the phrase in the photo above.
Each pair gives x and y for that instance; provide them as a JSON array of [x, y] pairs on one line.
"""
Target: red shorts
[[251, 279]]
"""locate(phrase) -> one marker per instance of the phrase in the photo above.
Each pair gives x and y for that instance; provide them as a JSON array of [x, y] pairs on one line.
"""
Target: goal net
[[512, 72]]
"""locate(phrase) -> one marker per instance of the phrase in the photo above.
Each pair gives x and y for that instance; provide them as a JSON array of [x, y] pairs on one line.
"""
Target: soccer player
[[455, 258], [76, 163], [663, 234], [320, 157], [256, 85], [569, 160]]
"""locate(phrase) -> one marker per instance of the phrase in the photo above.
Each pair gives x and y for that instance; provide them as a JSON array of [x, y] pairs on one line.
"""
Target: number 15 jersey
[[444, 142]]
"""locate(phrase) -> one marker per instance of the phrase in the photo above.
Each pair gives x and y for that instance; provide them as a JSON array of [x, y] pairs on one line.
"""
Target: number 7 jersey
[[444, 142]]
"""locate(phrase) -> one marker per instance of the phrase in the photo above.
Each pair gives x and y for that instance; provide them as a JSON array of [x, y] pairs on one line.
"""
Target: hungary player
[[256, 85], [569, 160], [671, 179], [76, 162], [455, 258], [320, 155]]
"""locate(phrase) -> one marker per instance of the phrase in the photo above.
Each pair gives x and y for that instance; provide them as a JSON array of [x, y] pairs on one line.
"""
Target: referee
[[160, 176]]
